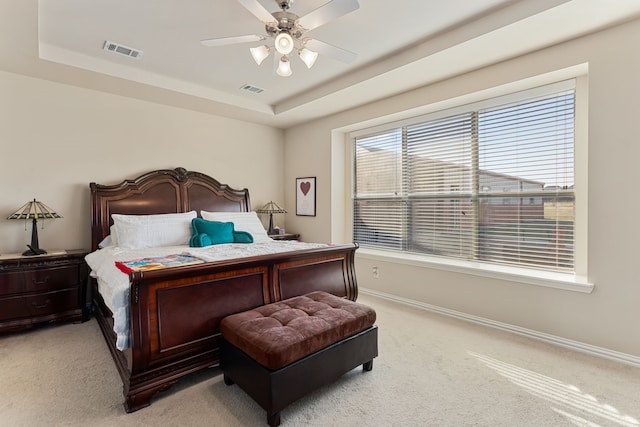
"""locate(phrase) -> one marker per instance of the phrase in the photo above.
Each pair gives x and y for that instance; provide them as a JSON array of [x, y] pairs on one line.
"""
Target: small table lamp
[[33, 211], [271, 208]]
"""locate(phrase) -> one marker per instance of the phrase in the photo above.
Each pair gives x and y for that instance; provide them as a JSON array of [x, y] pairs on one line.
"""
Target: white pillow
[[106, 242], [149, 231], [114, 236], [110, 240], [242, 221]]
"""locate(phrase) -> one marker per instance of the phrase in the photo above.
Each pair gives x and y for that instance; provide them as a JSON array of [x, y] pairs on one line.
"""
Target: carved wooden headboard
[[158, 192]]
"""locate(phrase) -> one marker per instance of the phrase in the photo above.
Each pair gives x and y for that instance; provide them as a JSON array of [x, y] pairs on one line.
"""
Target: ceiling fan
[[288, 30]]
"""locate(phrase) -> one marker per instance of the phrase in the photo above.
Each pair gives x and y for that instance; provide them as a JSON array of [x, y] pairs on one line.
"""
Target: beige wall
[[55, 139], [608, 317]]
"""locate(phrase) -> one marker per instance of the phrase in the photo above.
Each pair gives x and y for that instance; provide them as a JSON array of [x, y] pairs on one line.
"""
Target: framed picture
[[306, 196]]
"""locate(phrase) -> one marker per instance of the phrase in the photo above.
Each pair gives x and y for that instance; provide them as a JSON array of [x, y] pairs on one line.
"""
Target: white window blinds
[[379, 214], [492, 184]]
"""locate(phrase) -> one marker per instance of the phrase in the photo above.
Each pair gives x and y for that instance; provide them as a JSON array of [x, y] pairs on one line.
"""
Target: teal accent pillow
[[206, 233], [218, 232], [242, 237], [200, 241]]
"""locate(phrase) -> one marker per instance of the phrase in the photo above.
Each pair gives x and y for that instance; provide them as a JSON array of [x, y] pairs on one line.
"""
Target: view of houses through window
[[492, 184]]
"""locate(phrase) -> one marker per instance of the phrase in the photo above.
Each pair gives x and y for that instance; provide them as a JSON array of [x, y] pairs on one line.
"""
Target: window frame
[[577, 281]]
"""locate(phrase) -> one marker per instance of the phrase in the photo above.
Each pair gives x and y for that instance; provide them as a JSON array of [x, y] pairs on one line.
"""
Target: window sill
[[563, 281]]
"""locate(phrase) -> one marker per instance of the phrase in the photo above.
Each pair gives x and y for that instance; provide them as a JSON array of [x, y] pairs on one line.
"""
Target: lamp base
[[33, 251], [34, 247], [271, 230]]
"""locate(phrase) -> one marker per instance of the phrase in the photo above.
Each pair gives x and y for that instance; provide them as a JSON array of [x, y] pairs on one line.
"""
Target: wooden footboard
[[176, 313]]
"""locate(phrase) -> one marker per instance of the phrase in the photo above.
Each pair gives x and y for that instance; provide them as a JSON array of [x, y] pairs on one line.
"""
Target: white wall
[[608, 317], [55, 139]]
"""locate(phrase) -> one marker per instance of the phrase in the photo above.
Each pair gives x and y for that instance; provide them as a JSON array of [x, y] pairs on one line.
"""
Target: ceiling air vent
[[251, 88], [122, 50]]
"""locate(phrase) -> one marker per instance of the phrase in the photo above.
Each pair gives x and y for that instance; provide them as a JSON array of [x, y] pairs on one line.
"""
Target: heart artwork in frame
[[306, 196]]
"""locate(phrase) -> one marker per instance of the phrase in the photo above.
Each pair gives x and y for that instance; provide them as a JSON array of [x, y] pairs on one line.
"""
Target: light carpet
[[432, 371]]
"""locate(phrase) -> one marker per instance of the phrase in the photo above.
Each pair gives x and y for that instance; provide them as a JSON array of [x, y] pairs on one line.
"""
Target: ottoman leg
[[227, 380], [273, 419]]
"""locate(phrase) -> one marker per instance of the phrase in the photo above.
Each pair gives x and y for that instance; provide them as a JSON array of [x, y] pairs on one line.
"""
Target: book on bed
[[156, 263]]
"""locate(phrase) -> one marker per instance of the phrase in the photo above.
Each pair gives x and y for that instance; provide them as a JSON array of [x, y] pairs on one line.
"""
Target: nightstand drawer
[[38, 280], [11, 283], [13, 308], [51, 302], [50, 279], [33, 306]]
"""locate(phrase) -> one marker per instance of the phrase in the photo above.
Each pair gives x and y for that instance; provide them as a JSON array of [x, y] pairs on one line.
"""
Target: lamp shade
[[260, 53], [308, 56], [284, 67], [34, 210], [271, 208], [284, 43]]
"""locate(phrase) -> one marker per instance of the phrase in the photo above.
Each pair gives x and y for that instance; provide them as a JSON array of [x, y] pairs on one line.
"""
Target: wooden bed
[[176, 312]]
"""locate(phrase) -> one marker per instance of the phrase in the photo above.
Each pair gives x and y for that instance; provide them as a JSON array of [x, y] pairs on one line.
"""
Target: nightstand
[[285, 236], [42, 288]]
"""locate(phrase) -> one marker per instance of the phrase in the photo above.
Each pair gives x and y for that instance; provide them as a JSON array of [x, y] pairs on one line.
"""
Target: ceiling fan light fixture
[[284, 67], [288, 31], [260, 53], [284, 43], [308, 56]]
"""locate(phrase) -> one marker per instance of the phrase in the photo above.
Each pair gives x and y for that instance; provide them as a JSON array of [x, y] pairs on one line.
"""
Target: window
[[491, 182]]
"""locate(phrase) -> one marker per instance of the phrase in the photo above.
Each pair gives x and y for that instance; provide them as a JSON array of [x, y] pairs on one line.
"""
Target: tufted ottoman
[[279, 352]]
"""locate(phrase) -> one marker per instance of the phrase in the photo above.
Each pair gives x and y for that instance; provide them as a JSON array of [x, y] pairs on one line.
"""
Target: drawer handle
[[41, 282], [46, 303]]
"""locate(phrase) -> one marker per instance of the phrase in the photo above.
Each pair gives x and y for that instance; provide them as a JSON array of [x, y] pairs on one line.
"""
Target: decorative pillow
[[148, 231], [206, 233], [218, 232], [242, 237], [200, 241], [242, 221]]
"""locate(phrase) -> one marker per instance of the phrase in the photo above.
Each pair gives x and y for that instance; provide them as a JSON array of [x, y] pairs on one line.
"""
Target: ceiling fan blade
[[232, 40], [325, 13], [329, 50], [258, 10]]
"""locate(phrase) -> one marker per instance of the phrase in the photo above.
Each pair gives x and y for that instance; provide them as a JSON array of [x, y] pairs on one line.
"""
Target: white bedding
[[113, 284]]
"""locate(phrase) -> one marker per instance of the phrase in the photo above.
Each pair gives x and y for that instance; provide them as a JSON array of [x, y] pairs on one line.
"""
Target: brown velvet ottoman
[[279, 352]]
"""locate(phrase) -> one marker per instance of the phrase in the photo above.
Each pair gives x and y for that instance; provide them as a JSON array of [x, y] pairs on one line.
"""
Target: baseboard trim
[[563, 342]]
